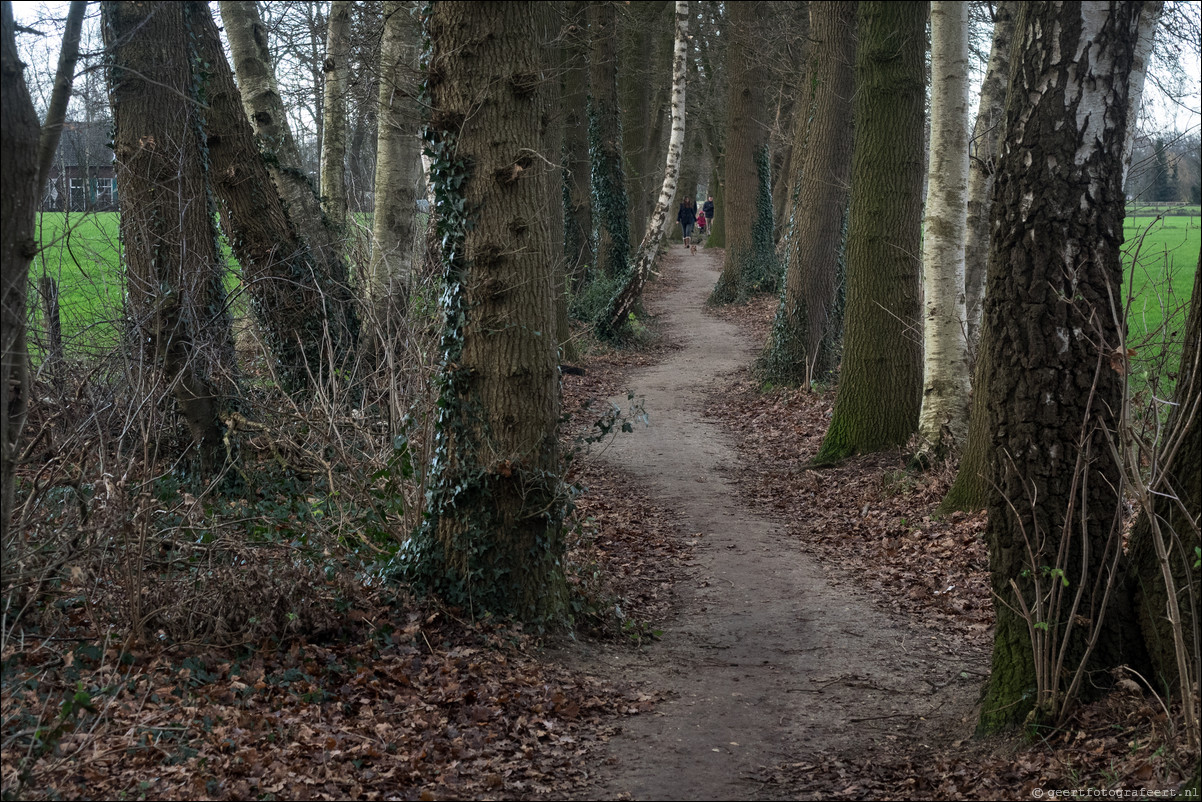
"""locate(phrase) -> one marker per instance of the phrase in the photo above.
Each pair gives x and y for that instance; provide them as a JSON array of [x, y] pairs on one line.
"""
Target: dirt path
[[764, 663]]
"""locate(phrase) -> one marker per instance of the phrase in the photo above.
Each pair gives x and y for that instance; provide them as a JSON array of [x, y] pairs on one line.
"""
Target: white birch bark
[[1149, 18], [628, 296], [944, 417], [397, 156], [333, 145]]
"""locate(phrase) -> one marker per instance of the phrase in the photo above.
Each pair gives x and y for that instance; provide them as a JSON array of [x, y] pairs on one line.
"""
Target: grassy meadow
[[80, 251]]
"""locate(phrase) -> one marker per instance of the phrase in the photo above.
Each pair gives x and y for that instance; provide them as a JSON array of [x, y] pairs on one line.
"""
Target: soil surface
[[765, 666]]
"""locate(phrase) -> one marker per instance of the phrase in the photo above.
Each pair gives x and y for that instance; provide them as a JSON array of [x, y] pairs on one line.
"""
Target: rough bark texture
[[1149, 18], [175, 298], [628, 296], [610, 204], [806, 334], [18, 206], [645, 49], [336, 70], [1055, 515], [986, 137], [64, 77], [943, 421], [746, 139], [279, 269], [880, 384], [265, 108], [398, 149], [1177, 514], [492, 539], [578, 206]]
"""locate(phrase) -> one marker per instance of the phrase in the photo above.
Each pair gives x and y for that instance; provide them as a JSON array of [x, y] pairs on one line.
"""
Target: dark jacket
[[687, 214], [708, 208]]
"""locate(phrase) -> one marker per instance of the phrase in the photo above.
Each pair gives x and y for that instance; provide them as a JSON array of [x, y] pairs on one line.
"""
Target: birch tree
[[943, 421], [627, 298], [1056, 512], [397, 159], [336, 70]]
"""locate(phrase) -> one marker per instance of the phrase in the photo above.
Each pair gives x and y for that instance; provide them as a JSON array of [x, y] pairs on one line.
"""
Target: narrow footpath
[[763, 664]]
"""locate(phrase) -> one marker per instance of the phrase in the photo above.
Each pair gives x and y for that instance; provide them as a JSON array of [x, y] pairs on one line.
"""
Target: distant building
[[83, 176]]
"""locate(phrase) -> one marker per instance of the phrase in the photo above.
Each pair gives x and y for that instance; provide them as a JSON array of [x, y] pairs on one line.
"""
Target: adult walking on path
[[687, 217]]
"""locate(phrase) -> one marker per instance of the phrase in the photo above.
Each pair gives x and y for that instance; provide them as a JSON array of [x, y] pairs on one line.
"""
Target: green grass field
[[80, 252]]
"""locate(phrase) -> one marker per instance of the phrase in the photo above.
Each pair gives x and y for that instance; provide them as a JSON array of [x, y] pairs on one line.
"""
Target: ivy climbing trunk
[[880, 382], [747, 182], [398, 147], [279, 268], [265, 107], [1055, 514], [804, 345], [174, 277], [578, 206], [629, 294], [610, 204], [943, 420], [493, 540], [18, 209]]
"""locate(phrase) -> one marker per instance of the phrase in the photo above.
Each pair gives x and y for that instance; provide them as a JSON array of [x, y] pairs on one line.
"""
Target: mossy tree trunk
[[610, 203], [493, 540], [746, 145], [880, 383], [174, 275], [19, 195], [265, 108], [1055, 515], [279, 269], [806, 334]]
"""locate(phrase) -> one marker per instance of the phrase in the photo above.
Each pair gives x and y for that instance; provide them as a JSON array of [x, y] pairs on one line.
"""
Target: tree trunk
[[880, 384], [175, 295], [986, 138], [943, 421], [18, 207], [578, 207], [64, 77], [1149, 18], [746, 145], [336, 71], [493, 539], [610, 203], [398, 148], [1055, 515], [804, 345], [279, 268], [263, 104], [627, 298]]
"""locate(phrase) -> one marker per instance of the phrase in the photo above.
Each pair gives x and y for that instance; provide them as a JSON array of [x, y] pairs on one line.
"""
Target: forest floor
[[748, 627]]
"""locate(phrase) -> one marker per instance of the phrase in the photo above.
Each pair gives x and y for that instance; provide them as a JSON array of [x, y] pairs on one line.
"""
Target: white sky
[[1161, 114]]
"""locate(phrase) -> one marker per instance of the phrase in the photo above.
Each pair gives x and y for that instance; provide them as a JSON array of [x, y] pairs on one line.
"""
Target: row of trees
[[542, 162]]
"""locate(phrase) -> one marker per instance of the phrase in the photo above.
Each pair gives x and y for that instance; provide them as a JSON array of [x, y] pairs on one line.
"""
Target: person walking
[[687, 217], [708, 208]]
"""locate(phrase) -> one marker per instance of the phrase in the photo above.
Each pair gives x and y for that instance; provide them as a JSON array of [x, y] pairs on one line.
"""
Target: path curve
[[764, 663]]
